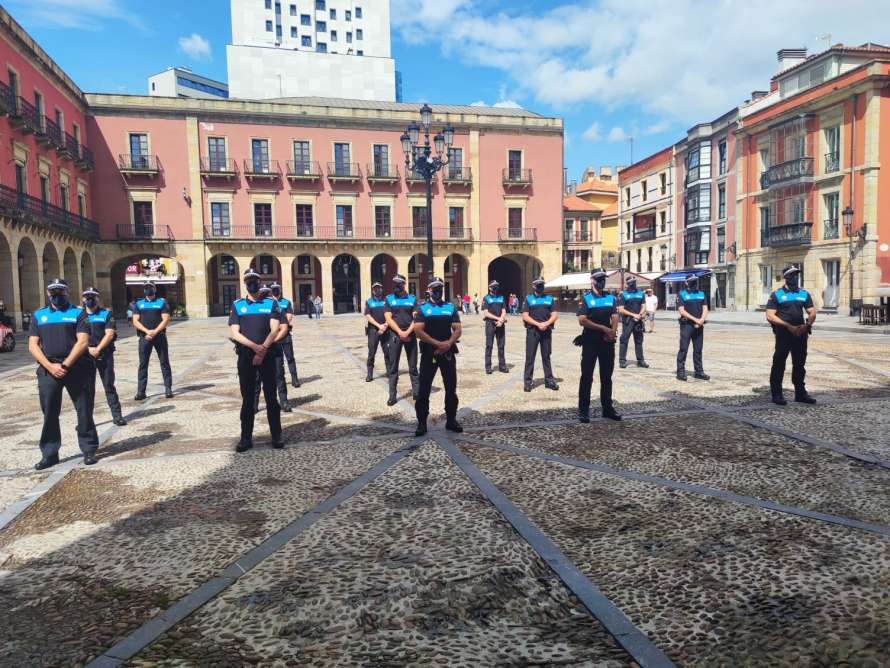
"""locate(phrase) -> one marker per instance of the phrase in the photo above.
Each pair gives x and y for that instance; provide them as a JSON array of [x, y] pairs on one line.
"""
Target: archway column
[[402, 262], [190, 257], [439, 264], [11, 295], [327, 283], [365, 278], [287, 277]]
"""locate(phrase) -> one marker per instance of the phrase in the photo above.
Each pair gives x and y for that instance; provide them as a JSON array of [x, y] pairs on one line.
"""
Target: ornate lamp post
[[419, 159]]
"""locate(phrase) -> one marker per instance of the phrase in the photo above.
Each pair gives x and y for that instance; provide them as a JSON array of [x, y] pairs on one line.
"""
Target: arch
[[383, 268], [7, 293], [514, 272], [52, 268], [223, 278], [268, 267], [87, 271], [418, 274], [456, 275], [30, 290], [347, 291], [72, 274], [306, 271], [129, 273]]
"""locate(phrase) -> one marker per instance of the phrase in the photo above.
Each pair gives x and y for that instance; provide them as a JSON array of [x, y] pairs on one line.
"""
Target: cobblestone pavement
[[710, 528]]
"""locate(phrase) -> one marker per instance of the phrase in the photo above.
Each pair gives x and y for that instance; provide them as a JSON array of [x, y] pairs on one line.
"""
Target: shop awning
[[680, 276], [574, 281]]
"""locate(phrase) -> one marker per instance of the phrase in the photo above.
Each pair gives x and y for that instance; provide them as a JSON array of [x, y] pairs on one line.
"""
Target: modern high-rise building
[[182, 82], [300, 48]]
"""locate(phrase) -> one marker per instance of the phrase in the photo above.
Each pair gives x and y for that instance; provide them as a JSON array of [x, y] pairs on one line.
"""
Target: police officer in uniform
[[399, 314], [630, 307], [495, 316], [438, 328], [539, 318], [150, 318], [59, 339], [286, 306], [692, 304], [103, 332], [375, 307], [598, 316], [784, 311], [255, 324], [276, 352]]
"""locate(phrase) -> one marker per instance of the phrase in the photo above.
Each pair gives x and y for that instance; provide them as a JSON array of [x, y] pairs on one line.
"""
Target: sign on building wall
[[161, 270]]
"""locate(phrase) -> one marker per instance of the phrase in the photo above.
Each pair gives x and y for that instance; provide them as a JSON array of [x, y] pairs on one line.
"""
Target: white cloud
[[628, 53], [195, 47], [617, 134], [478, 103], [507, 104], [76, 14], [593, 133]]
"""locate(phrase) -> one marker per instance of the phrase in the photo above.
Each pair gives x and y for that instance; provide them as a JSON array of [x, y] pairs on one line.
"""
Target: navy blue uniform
[[494, 304], [100, 322], [253, 319], [375, 308], [437, 320], [150, 312], [402, 311], [57, 331], [539, 309], [594, 348], [633, 302], [694, 303], [287, 346], [790, 306]]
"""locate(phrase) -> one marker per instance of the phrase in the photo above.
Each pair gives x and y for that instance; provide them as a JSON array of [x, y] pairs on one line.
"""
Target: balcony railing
[[457, 174], [27, 117], [576, 235], [310, 232], [71, 149], [307, 170], [794, 234], [514, 234], [646, 234], [138, 164], [262, 169], [514, 176], [216, 166], [832, 162], [7, 100], [86, 161], [383, 171], [830, 229], [43, 214], [53, 132], [144, 232], [785, 172], [347, 171]]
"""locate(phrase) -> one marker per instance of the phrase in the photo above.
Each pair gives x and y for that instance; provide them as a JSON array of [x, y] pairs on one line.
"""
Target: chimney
[[589, 173], [605, 173], [788, 58], [757, 94]]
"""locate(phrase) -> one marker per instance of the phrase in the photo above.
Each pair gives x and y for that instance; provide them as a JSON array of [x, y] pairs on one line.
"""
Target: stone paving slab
[[711, 582]]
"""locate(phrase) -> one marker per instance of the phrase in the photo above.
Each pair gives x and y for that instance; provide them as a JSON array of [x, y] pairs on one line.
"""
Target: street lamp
[[419, 159], [848, 220]]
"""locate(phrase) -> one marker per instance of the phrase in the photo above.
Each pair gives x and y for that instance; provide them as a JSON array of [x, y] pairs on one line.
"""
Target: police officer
[[437, 324], [375, 307], [399, 314], [59, 339], [598, 316], [495, 316], [276, 352], [539, 318], [255, 324], [630, 308], [150, 318], [286, 306], [103, 332], [692, 304], [784, 311]]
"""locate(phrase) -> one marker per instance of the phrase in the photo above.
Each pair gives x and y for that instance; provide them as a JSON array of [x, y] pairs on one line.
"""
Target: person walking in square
[[651, 308]]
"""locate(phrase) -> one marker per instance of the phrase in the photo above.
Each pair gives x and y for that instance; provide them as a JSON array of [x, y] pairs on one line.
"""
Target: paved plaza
[[709, 528]]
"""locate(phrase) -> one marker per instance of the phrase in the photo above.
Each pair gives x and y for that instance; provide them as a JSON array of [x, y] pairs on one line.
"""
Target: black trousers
[[104, 368], [276, 352], [628, 328], [159, 345], [591, 353], [248, 378], [786, 343], [534, 337], [492, 333], [287, 347], [395, 347], [80, 385], [689, 332], [447, 366], [375, 339]]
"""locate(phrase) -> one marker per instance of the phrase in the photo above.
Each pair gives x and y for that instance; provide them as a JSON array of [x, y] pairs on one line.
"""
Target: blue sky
[[611, 68]]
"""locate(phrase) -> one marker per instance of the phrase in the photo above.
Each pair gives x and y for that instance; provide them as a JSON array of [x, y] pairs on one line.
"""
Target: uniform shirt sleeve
[[276, 311], [809, 302], [455, 317], [234, 318], [771, 303], [110, 323], [367, 309], [614, 308], [419, 316], [525, 305], [386, 308], [707, 301], [680, 301], [166, 308], [620, 299], [582, 307], [83, 323], [33, 328]]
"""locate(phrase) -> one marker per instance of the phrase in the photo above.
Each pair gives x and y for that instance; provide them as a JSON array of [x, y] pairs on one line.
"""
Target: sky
[[612, 69]]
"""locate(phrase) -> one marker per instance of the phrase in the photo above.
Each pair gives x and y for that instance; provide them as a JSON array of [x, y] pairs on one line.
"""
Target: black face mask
[[398, 288], [90, 302], [692, 286], [493, 291], [59, 301], [149, 292], [793, 281], [252, 287], [436, 294], [538, 289], [632, 286], [276, 293], [599, 284]]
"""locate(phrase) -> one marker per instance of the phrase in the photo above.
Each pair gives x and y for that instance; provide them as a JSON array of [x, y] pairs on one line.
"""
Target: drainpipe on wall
[[852, 191], [745, 228]]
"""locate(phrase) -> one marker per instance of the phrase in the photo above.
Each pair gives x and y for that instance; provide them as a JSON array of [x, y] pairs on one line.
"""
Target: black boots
[[451, 424], [551, 385], [46, 462], [119, 420], [642, 364], [421, 428], [611, 414], [779, 400], [803, 398], [243, 446], [369, 377], [90, 458]]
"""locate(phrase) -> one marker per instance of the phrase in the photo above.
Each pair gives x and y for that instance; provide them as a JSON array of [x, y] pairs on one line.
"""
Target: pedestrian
[[318, 307], [103, 332], [58, 340], [630, 308], [437, 324], [375, 327], [598, 317], [651, 307], [286, 308], [539, 317], [692, 304], [399, 314], [476, 303], [495, 316], [310, 307], [784, 311], [151, 317], [131, 309], [254, 324], [467, 301]]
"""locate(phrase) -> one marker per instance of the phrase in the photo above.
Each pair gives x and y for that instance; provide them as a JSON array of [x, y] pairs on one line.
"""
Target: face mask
[[692, 285], [59, 301], [378, 293], [90, 302], [793, 281], [149, 292], [437, 294], [599, 283], [493, 291], [632, 286], [538, 289], [399, 287], [252, 287], [276, 293]]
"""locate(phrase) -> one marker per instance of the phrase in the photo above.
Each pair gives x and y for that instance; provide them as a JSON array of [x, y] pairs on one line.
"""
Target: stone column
[[14, 300], [327, 283], [193, 145], [287, 277], [191, 262]]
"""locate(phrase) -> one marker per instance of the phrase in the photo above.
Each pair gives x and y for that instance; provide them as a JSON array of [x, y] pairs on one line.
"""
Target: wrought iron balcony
[[53, 133], [382, 172], [832, 162], [794, 234], [576, 235], [86, 161], [138, 164], [514, 176], [790, 171], [514, 235], [7, 100], [646, 234], [830, 229], [71, 147], [304, 232], [303, 170], [144, 232], [216, 166], [36, 212], [457, 174], [344, 171], [261, 169], [26, 117]]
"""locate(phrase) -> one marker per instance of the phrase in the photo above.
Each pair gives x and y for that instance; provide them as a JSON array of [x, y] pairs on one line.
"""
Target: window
[[268, 26], [649, 261], [662, 259], [514, 165], [692, 166], [319, 5], [644, 227], [259, 153], [60, 117], [333, 35], [628, 260], [305, 20], [14, 82], [321, 47], [381, 160], [585, 260], [348, 15], [278, 31], [321, 26], [644, 191], [797, 209], [341, 159], [359, 53], [304, 265], [831, 202], [359, 34], [382, 221], [721, 201], [268, 4], [698, 205], [143, 219], [220, 222], [293, 10], [262, 219], [44, 189], [662, 183], [293, 31], [306, 41], [698, 246], [832, 144], [216, 154], [721, 245], [138, 151], [349, 38], [344, 220], [639, 259], [198, 85], [302, 161], [514, 223], [278, 8], [81, 204], [418, 221], [456, 222], [662, 222], [455, 163], [304, 220], [38, 104], [764, 159], [764, 226], [627, 197], [333, 14], [721, 152], [21, 178], [227, 266]]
